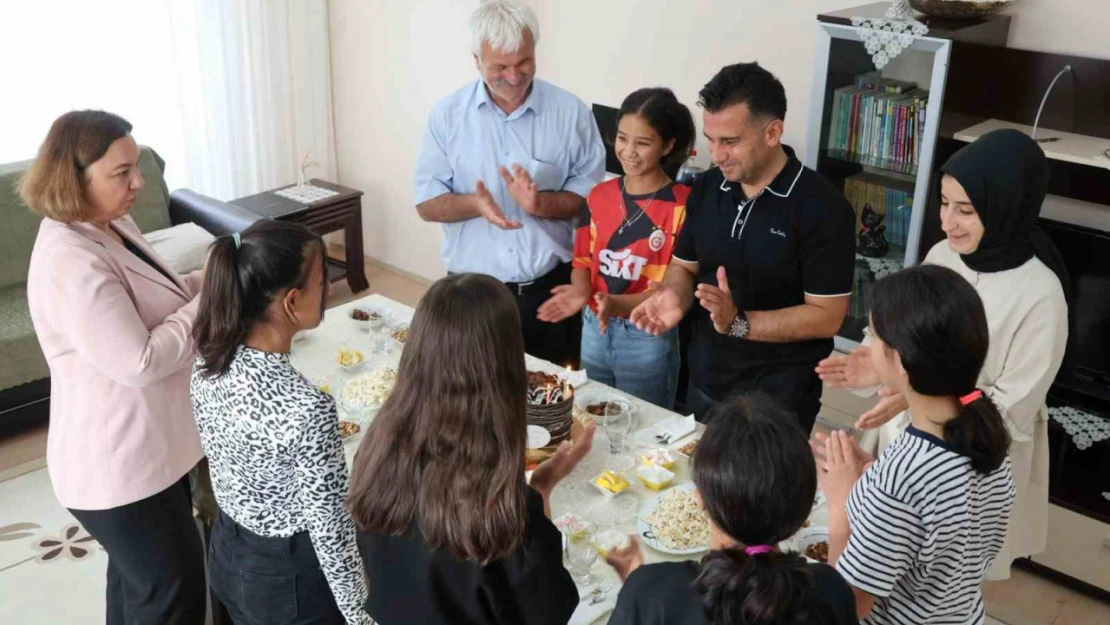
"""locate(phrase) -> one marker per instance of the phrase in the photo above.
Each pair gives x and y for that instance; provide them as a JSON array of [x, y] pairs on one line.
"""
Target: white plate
[[645, 437], [538, 437], [644, 529]]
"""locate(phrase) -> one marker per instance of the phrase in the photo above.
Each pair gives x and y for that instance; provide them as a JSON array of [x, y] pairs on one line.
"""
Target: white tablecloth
[[314, 355]]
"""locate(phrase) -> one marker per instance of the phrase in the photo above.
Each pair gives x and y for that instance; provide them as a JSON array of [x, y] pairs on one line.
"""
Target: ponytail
[[243, 275], [759, 589], [219, 328], [979, 433]]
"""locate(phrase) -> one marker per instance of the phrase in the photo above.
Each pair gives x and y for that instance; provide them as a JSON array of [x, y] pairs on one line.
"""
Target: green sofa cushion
[[20, 223], [21, 359]]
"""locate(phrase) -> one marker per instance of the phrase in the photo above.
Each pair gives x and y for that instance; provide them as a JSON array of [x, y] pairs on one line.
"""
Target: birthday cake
[[550, 404]]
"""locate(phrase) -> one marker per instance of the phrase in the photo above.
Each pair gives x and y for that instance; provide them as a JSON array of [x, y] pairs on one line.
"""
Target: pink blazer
[[117, 336]]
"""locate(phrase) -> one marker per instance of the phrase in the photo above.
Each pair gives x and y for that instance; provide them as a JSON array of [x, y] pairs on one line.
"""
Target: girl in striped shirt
[[915, 534]]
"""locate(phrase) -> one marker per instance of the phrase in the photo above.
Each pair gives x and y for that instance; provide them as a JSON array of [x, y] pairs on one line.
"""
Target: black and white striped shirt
[[925, 528]]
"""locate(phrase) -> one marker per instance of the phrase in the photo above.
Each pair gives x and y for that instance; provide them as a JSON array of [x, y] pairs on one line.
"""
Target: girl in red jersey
[[624, 241]]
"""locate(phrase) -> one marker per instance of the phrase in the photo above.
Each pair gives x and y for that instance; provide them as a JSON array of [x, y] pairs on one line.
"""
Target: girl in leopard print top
[[283, 537]]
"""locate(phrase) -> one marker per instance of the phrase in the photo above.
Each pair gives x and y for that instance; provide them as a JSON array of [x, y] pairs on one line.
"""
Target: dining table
[[314, 354]]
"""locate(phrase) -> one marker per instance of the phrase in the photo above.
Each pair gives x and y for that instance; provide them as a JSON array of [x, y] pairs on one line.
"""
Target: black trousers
[[155, 559], [795, 387], [264, 580], [560, 343]]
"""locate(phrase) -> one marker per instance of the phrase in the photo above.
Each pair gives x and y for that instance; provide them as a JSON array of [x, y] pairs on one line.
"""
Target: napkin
[[678, 427], [585, 614], [577, 379]]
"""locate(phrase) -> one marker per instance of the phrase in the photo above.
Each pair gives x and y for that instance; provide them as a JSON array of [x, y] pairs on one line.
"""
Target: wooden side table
[[338, 212]]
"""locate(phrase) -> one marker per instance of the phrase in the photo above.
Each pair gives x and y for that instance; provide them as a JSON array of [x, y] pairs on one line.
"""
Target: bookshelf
[[874, 133]]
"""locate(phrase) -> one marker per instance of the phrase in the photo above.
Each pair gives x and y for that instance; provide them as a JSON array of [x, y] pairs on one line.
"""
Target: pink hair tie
[[973, 396], [757, 549]]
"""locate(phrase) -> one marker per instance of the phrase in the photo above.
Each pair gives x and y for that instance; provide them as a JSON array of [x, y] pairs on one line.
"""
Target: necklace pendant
[[620, 230]]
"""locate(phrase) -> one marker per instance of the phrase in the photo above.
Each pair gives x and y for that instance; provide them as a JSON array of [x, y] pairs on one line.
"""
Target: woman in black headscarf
[[990, 196]]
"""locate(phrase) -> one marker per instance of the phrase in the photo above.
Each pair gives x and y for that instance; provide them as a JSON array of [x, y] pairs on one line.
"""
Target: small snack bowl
[[595, 405], [662, 458], [608, 540], [400, 332], [571, 524], [349, 359], [611, 483], [655, 477], [360, 317], [813, 543], [323, 385]]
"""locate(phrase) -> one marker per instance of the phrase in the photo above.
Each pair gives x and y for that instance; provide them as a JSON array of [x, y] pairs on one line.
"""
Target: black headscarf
[[1005, 175]]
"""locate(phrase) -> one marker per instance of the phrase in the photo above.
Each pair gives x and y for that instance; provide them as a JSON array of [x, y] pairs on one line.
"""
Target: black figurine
[[872, 243]]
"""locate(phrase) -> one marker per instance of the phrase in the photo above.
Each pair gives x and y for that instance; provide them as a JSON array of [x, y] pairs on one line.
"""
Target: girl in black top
[[448, 529], [756, 478]]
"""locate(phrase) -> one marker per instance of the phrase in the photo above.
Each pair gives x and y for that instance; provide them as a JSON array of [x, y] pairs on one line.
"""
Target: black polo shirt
[[795, 237]]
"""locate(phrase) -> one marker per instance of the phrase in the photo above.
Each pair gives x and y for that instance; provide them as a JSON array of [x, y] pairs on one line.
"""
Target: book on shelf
[[891, 198], [878, 122]]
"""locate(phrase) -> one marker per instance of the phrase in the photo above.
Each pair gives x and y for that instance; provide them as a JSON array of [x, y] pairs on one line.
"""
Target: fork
[[664, 438], [601, 591]]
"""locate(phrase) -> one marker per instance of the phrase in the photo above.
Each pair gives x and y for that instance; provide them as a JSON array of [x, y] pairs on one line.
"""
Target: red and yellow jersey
[[626, 240]]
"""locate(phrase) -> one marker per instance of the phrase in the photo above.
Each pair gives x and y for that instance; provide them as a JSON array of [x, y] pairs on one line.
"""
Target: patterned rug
[[51, 570]]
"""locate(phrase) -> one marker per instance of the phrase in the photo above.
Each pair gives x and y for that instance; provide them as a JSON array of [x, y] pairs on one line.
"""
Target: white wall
[[392, 59]]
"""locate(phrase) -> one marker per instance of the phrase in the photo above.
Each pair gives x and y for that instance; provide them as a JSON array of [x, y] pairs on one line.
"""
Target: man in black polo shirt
[[768, 251]]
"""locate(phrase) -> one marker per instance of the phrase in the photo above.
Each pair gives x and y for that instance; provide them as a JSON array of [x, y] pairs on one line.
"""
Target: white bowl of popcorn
[[367, 391]]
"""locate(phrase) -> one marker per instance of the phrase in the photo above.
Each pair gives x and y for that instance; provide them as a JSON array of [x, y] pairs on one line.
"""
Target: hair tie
[[973, 396], [758, 549], [238, 240]]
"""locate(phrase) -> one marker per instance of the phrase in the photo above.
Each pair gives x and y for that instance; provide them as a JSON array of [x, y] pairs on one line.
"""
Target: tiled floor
[[1025, 599]]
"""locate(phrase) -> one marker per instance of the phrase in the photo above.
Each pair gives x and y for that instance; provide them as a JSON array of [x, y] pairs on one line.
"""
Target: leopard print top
[[276, 460]]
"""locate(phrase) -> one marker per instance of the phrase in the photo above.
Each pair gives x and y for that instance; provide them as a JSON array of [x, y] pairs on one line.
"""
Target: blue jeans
[[631, 360]]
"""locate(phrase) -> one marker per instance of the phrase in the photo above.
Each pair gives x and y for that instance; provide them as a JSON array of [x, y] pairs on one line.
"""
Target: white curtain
[[255, 92], [231, 93]]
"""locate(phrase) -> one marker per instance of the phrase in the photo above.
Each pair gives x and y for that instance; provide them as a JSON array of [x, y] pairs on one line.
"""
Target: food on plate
[[655, 476], [348, 357], [348, 429], [679, 522], [612, 482], [661, 457], [359, 314], [323, 385], [571, 524], [598, 409], [688, 449], [370, 389], [401, 334], [818, 551], [609, 540]]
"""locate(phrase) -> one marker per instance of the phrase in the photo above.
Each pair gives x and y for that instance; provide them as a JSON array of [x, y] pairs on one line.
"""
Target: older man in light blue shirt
[[506, 164]]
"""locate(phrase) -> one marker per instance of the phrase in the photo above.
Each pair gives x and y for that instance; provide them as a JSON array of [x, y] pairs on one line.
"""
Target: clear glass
[[380, 332], [617, 422], [581, 553]]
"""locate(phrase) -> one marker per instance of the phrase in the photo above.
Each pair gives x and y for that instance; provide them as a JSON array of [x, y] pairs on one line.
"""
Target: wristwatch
[[739, 328]]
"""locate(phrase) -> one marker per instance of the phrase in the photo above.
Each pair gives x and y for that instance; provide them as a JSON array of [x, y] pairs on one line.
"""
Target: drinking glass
[[617, 421], [581, 553], [379, 329]]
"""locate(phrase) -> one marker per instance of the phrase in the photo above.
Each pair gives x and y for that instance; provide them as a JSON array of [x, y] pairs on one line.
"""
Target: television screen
[[606, 118], [1087, 255]]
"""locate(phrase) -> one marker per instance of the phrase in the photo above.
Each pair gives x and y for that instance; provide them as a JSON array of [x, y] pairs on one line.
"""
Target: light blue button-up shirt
[[553, 135]]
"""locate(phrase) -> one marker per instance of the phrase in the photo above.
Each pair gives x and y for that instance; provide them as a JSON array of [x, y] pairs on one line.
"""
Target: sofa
[[171, 222]]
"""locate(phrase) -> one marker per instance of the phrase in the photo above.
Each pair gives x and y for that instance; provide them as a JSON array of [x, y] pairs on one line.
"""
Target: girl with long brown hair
[[450, 532]]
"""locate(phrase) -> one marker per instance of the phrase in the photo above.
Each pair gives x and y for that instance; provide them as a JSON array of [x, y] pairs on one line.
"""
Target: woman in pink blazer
[[115, 325]]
